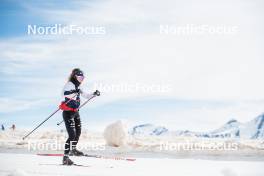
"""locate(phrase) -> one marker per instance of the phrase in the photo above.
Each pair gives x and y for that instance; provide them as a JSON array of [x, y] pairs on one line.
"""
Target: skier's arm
[[69, 91], [85, 94]]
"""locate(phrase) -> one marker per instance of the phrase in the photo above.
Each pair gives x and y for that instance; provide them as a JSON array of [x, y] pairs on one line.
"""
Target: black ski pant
[[73, 126]]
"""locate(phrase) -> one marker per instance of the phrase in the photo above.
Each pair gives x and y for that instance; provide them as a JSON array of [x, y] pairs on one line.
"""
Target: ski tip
[[50, 154], [131, 159], [80, 165]]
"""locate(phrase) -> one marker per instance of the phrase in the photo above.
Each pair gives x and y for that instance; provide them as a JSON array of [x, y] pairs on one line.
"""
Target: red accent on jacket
[[63, 106]]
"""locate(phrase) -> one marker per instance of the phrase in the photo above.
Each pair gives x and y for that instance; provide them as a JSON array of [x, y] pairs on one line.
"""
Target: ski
[[77, 165], [74, 164], [92, 156], [50, 154], [109, 157], [80, 165]]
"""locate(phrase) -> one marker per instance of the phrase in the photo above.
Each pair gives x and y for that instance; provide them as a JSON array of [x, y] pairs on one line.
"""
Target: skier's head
[[77, 76]]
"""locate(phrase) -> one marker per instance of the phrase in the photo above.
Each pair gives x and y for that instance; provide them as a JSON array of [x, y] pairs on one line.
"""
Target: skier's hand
[[97, 93]]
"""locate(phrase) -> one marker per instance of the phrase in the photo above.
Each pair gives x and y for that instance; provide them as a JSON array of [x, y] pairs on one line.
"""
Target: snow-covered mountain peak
[[148, 129], [259, 120], [232, 121], [257, 125]]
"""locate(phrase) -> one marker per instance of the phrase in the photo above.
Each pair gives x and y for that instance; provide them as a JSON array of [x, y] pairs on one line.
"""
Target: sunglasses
[[80, 78]]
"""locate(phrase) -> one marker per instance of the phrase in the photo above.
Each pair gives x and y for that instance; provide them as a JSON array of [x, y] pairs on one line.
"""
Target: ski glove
[[97, 93]]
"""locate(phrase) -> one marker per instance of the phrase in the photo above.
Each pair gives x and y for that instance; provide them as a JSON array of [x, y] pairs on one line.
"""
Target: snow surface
[[16, 159], [165, 144], [33, 165]]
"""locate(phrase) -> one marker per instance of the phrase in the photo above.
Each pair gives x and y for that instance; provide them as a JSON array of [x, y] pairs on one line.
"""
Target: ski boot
[[75, 152], [66, 160]]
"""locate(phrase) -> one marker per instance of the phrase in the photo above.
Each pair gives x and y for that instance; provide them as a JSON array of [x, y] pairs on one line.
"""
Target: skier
[[3, 127], [13, 127], [71, 115]]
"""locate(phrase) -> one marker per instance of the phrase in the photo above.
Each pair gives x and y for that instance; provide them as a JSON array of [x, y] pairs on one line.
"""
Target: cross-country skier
[[71, 115]]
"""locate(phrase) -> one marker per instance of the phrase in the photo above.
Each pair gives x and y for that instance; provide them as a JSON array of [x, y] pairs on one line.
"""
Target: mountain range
[[253, 129]]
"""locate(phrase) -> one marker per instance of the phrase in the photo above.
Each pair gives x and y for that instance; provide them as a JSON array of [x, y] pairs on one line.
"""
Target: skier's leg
[[70, 127], [78, 129]]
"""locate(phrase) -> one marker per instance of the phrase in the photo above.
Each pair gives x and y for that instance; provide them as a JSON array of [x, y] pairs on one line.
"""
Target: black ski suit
[[71, 115], [73, 126]]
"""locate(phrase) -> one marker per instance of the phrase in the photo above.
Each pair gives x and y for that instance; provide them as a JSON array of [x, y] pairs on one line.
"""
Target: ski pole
[[80, 107], [45, 120], [41, 124]]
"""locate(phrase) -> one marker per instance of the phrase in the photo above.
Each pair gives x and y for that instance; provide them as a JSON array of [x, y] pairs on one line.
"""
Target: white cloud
[[15, 105], [225, 67]]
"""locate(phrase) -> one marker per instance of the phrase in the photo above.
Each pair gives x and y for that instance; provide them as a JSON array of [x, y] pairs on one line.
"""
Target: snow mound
[[116, 134]]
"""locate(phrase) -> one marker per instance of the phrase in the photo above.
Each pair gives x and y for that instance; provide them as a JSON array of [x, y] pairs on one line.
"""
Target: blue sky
[[212, 78]]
